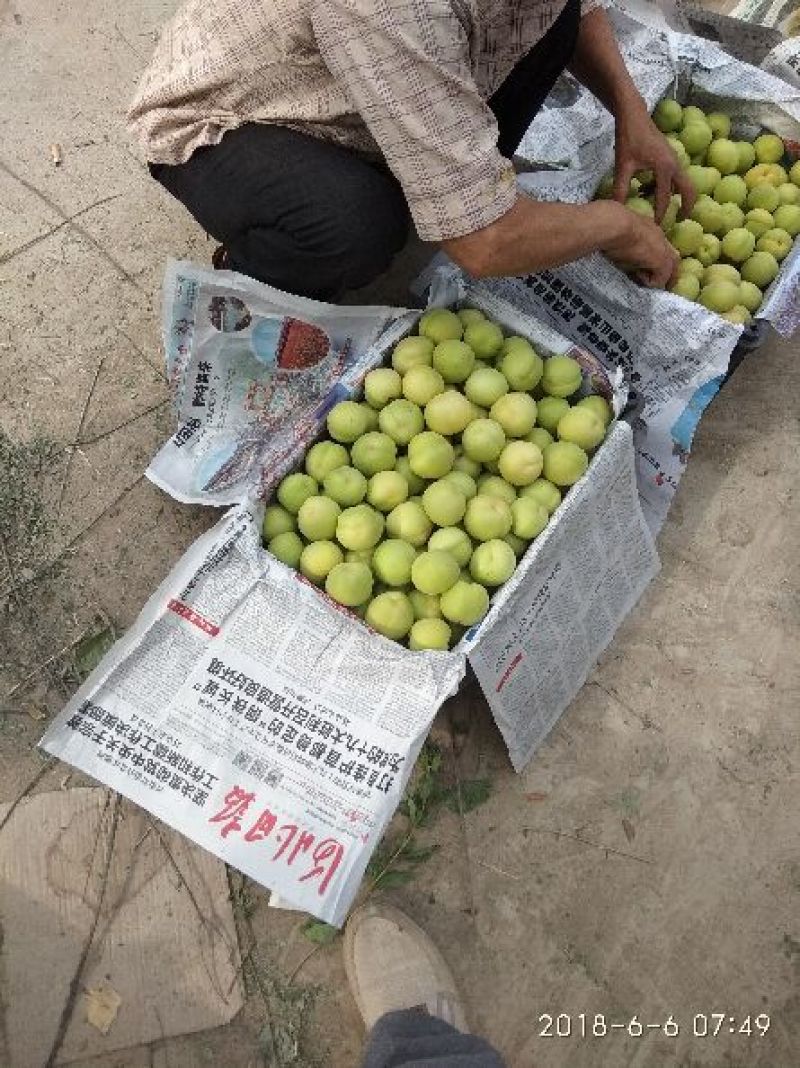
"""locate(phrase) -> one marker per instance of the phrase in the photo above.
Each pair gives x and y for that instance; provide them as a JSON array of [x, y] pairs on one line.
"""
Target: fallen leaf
[[536, 795], [102, 1005], [321, 933], [629, 829], [90, 650]]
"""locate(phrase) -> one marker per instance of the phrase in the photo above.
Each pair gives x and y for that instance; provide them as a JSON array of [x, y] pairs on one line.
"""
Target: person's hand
[[636, 244], [640, 145]]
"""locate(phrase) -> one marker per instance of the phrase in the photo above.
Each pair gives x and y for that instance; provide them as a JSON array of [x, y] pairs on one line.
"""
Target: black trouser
[[315, 219]]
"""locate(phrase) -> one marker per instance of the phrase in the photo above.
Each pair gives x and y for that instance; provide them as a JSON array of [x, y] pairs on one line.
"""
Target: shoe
[[392, 964], [219, 258]]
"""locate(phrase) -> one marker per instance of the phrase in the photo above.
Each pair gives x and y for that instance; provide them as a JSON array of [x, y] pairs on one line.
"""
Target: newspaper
[[782, 15], [259, 719], [578, 133], [576, 144], [274, 728], [253, 373], [784, 62], [660, 14], [746, 40], [539, 645], [763, 32]]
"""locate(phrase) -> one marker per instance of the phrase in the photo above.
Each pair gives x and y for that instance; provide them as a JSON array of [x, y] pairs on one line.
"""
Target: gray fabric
[[412, 1039]]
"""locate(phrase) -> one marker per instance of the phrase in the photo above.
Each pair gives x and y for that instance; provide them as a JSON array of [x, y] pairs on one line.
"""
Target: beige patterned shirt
[[405, 79]]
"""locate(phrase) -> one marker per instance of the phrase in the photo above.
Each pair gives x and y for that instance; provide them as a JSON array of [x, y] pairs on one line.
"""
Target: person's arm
[[598, 65], [535, 235], [405, 64]]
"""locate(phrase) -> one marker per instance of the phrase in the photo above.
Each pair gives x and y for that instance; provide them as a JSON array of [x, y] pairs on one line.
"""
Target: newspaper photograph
[[253, 372]]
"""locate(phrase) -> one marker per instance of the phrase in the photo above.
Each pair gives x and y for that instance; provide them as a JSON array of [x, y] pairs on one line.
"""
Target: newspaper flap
[[274, 728], [784, 61], [749, 41], [550, 625], [253, 373], [783, 17], [660, 14], [262, 721], [764, 32]]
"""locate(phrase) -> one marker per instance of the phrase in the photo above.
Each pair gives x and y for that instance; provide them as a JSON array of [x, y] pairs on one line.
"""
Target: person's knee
[[330, 248], [363, 243]]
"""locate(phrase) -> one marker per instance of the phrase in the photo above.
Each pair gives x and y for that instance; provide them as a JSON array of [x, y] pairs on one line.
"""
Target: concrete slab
[[102, 907]]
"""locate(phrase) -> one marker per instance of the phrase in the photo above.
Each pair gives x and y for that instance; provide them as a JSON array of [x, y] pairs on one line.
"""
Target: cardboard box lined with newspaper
[[746, 215], [576, 142], [273, 726], [676, 353], [421, 497]]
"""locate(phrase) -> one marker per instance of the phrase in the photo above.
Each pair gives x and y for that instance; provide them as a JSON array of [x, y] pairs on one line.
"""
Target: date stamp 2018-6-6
[[701, 1025]]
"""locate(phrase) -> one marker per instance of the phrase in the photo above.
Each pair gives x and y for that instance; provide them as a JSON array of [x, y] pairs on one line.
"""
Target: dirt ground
[[645, 864]]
